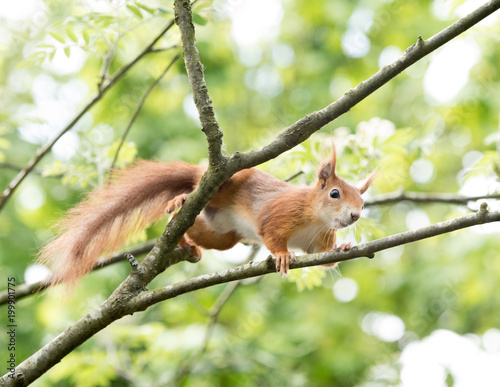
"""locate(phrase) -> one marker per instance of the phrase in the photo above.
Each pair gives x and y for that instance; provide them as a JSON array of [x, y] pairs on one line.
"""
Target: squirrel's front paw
[[342, 247], [176, 202], [283, 261]]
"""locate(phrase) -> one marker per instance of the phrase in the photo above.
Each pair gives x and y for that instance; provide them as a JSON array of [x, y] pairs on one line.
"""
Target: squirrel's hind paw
[[175, 203], [195, 249]]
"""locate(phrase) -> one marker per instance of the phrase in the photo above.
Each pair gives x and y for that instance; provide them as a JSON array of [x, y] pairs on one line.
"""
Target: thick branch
[[420, 197], [369, 249], [217, 172], [305, 127], [43, 150], [114, 308], [194, 68]]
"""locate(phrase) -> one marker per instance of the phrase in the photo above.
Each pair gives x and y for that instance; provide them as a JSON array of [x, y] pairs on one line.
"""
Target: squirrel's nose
[[354, 216]]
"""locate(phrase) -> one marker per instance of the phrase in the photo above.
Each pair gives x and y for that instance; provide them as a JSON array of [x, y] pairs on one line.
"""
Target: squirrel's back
[[102, 222]]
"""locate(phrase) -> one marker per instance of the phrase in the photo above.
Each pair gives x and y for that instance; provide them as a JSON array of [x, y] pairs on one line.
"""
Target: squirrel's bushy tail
[[102, 223]]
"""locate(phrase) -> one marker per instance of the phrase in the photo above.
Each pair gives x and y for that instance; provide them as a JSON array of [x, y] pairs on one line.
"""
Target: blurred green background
[[426, 314]]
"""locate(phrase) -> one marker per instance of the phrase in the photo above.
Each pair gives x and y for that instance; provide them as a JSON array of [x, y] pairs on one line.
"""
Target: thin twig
[[419, 197], [294, 176], [24, 290], [107, 61], [16, 168], [139, 107]]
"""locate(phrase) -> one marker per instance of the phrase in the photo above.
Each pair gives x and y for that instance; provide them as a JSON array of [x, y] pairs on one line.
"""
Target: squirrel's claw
[[342, 247], [175, 203], [283, 261]]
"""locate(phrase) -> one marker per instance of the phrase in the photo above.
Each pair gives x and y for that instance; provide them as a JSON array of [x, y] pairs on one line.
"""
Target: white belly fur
[[225, 220], [305, 238]]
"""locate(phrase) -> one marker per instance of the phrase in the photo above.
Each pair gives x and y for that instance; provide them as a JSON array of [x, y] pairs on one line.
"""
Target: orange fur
[[106, 218], [208, 238]]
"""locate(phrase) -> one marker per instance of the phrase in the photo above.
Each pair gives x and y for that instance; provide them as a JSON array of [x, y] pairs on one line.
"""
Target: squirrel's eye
[[335, 194]]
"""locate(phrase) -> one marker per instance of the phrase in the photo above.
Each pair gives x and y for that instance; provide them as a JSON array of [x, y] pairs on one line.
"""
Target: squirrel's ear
[[324, 173], [327, 170], [363, 186]]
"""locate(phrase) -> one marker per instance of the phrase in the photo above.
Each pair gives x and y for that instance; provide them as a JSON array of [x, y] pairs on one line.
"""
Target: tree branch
[[369, 249], [25, 290], [305, 127], [194, 68], [157, 260], [114, 308], [217, 172], [419, 197], [43, 150], [139, 107], [16, 168]]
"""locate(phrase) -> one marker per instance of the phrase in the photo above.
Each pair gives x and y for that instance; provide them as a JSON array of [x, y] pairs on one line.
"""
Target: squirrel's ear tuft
[[333, 159], [363, 186]]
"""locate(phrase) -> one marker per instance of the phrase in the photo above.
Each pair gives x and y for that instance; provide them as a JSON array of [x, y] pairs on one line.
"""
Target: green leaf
[[136, 11], [145, 8], [43, 45], [86, 36], [199, 19], [55, 169], [482, 166], [36, 58], [127, 154], [52, 54], [71, 33], [67, 51], [25, 63], [164, 11], [306, 278], [104, 20], [57, 37]]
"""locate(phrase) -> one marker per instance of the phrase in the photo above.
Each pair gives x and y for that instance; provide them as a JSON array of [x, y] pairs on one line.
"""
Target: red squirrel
[[252, 205]]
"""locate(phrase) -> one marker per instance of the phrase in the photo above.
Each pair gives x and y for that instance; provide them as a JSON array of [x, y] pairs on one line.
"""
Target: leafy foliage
[[274, 332]]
